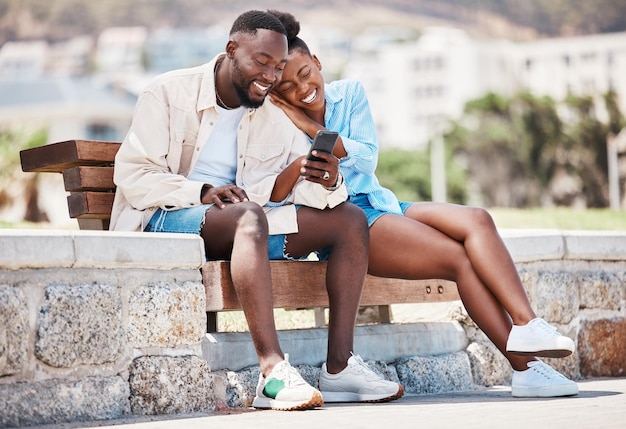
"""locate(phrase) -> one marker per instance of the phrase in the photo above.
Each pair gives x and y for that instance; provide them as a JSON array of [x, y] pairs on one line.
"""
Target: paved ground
[[601, 404]]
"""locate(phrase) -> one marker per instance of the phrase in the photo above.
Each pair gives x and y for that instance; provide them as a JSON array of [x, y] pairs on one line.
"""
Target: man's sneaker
[[357, 383], [285, 389], [541, 381], [538, 338]]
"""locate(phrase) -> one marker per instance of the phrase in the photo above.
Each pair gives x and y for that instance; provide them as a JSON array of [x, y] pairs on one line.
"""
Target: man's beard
[[242, 87], [245, 99]]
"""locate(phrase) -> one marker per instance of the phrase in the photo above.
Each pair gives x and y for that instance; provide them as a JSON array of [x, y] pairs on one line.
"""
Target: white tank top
[[217, 164]]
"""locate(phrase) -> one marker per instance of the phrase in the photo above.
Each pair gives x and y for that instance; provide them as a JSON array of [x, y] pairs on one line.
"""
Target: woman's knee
[[479, 217]]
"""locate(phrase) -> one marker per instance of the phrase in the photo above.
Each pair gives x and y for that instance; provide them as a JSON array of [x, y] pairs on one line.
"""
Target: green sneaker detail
[[272, 387]]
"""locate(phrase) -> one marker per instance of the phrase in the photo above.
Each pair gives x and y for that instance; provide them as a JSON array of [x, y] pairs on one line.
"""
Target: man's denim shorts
[[373, 214], [190, 220]]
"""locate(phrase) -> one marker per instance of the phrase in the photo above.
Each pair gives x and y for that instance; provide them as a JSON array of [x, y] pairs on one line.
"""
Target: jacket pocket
[[267, 155]]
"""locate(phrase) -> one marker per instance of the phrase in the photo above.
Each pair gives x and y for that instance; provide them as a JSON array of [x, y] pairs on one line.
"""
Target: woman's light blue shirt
[[348, 113]]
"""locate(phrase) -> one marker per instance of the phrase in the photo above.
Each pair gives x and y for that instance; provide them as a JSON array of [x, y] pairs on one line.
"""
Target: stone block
[[58, 401], [170, 385], [489, 366], [600, 290], [80, 325], [241, 386], [602, 346], [14, 330], [167, 315], [435, 374], [555, 296]]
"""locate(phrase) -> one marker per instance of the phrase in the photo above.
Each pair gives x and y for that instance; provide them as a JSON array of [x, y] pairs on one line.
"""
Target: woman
[[424, 239]]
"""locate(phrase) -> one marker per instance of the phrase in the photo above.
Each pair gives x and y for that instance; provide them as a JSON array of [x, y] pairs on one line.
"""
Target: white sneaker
[[357, 383], [538, 338], [540, 380], [285, 389]]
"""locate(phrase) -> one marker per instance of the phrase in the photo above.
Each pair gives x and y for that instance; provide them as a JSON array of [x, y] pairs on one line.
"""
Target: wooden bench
[[87, 168]]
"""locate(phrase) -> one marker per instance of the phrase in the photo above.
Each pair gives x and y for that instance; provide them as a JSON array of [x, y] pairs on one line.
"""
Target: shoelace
[[284, 371], [361, 367], [546, 327], [545, 370]]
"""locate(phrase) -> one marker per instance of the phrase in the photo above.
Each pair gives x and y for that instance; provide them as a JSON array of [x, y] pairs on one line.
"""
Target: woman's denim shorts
[[373, 214], [189, 221]]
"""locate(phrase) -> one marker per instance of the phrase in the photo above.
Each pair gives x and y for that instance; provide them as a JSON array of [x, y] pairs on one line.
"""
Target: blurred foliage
[[11, 143], [408, 172], [522, 151]]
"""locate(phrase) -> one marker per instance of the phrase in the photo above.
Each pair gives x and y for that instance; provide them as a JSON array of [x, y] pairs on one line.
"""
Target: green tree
[[14, 184]]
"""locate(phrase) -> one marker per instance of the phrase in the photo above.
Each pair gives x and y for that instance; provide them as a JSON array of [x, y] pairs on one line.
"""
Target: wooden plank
[[83, 178], [90, 205], [302, 285], [57, 157], [93, 224]]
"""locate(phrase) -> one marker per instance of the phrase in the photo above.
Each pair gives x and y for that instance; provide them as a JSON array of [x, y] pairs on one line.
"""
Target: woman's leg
[[405, 248], [344, 230], [475, 230]]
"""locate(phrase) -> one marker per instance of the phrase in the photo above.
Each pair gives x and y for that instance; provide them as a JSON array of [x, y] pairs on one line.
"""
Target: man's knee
[[353, 215], [250, 218]]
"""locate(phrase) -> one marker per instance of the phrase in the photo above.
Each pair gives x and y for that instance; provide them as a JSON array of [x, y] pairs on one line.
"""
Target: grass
[[560, 218]]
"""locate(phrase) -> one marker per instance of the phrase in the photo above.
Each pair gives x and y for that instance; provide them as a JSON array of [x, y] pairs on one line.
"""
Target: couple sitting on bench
[[208, 154]]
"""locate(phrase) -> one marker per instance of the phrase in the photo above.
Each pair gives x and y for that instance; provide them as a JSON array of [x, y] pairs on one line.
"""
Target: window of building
[[99, 131]]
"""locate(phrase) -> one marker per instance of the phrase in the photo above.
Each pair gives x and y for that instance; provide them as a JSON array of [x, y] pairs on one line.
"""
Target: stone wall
[[101, 325]]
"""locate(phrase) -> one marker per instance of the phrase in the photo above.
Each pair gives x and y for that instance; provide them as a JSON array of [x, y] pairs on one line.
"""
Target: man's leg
[[239, 232], [344, 230]]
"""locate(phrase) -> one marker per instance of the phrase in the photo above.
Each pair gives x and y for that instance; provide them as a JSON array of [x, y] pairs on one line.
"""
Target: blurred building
[[67, 108], [120, 51], [414, 86], [23, 60], [169, 49]]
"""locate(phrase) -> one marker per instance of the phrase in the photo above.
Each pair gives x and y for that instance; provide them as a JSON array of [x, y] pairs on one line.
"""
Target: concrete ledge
[[234, 351], [595, 245], [526, 245], [99, 249], [532, 245]]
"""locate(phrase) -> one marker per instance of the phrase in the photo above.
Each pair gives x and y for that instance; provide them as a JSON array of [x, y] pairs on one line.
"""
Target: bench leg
[[320, 317], [211, 321], [384, 314]]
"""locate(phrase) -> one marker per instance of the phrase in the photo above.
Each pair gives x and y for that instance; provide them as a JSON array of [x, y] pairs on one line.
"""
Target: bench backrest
[[87, 168]]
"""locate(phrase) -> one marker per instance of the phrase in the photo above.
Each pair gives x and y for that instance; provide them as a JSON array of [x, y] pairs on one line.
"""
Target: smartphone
[[324, 141]]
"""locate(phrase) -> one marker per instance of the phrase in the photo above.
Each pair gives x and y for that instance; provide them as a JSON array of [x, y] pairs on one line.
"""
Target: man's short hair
[[253, 20]]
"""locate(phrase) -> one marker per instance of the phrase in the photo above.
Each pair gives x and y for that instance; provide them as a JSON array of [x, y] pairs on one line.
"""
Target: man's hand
[[323, 172], [218, 195]]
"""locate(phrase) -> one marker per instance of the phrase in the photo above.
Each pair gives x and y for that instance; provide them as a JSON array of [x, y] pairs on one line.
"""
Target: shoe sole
[[274, 404], [543, 353], [544, 392], [335, 397]]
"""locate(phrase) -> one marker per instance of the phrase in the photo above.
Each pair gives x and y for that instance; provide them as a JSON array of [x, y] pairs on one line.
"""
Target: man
[[203, 155]]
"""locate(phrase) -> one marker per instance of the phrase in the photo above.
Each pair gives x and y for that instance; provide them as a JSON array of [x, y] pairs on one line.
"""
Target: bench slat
[[302, 285], [83, 178], [90, 205], [57, 157]]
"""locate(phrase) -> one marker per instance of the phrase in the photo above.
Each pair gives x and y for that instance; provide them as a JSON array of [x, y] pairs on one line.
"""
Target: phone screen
[[324, 142]]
